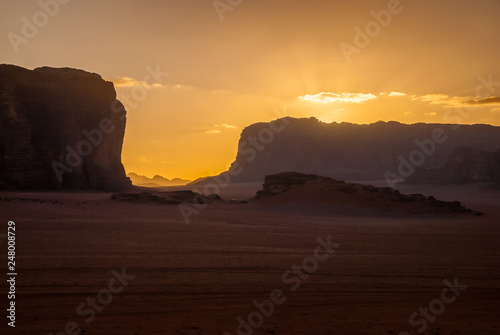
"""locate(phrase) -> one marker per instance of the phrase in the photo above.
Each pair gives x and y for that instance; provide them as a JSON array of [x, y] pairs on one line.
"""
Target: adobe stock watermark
[[372, 29], [294, 278], [94, 305], [85, 147], [250, 149], [93, 138], [427, 147], [139, 93], [223, 6], [436, 307], [30, 27]]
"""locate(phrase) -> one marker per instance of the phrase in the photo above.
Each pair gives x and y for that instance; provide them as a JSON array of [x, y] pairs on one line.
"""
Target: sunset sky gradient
[[265, 60]]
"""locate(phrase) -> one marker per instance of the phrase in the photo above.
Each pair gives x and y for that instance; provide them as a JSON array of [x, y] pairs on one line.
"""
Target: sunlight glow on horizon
[[217, 137], [226, 75]]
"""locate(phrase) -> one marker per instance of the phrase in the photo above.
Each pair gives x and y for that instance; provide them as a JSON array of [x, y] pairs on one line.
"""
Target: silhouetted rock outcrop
[[316, 191], [284, 181], [349, 151], [60, 128], [465, 165]]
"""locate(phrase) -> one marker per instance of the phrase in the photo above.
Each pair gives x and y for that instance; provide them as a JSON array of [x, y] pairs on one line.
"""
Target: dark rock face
[[348, 151], [60, 129], [282, 182], [465, 165]]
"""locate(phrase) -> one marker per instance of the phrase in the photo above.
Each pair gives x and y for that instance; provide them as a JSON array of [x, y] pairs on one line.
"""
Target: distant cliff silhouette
[[156, 181], [60, 128], [465, 165], [349, 151]]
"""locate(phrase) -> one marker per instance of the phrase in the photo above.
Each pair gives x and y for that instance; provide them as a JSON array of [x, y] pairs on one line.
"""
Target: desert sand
[[199, 278]]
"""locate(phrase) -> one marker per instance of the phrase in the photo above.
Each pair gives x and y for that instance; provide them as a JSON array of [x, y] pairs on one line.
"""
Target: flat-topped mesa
[[60, 128], [349, 151]]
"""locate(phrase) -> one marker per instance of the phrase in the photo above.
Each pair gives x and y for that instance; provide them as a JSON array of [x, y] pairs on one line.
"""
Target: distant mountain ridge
[[156, 181], [349, 151]]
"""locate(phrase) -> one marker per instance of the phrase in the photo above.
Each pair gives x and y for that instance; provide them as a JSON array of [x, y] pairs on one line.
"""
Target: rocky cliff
[[60, 129], [349, 151], [465, 165]]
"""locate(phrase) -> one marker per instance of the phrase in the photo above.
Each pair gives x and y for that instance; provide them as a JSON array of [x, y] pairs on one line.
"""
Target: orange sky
[[264, 60]]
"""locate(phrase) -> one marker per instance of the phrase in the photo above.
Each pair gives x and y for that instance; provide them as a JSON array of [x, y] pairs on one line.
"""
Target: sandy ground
[[199, 278]]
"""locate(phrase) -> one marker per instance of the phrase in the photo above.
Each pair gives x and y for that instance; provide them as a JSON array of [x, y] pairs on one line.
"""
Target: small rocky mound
[[166, 198], [294, 188]]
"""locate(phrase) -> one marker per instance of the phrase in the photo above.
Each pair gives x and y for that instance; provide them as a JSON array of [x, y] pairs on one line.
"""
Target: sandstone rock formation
[[317, 192], [465, 165], [348, 151], [60, 129], [285, 181]]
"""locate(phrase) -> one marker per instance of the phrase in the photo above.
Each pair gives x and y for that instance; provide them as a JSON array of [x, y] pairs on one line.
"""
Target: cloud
[[441, 99], [485, 101], [182, 86], [432, 98], [144, 160], [218, 131], [396, 94], [455, 101], [225, 125], [213, 131], [131, 82], [327, 97]]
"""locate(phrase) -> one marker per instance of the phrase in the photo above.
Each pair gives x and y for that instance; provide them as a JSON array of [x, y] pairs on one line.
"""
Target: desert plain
[[205, 277]]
